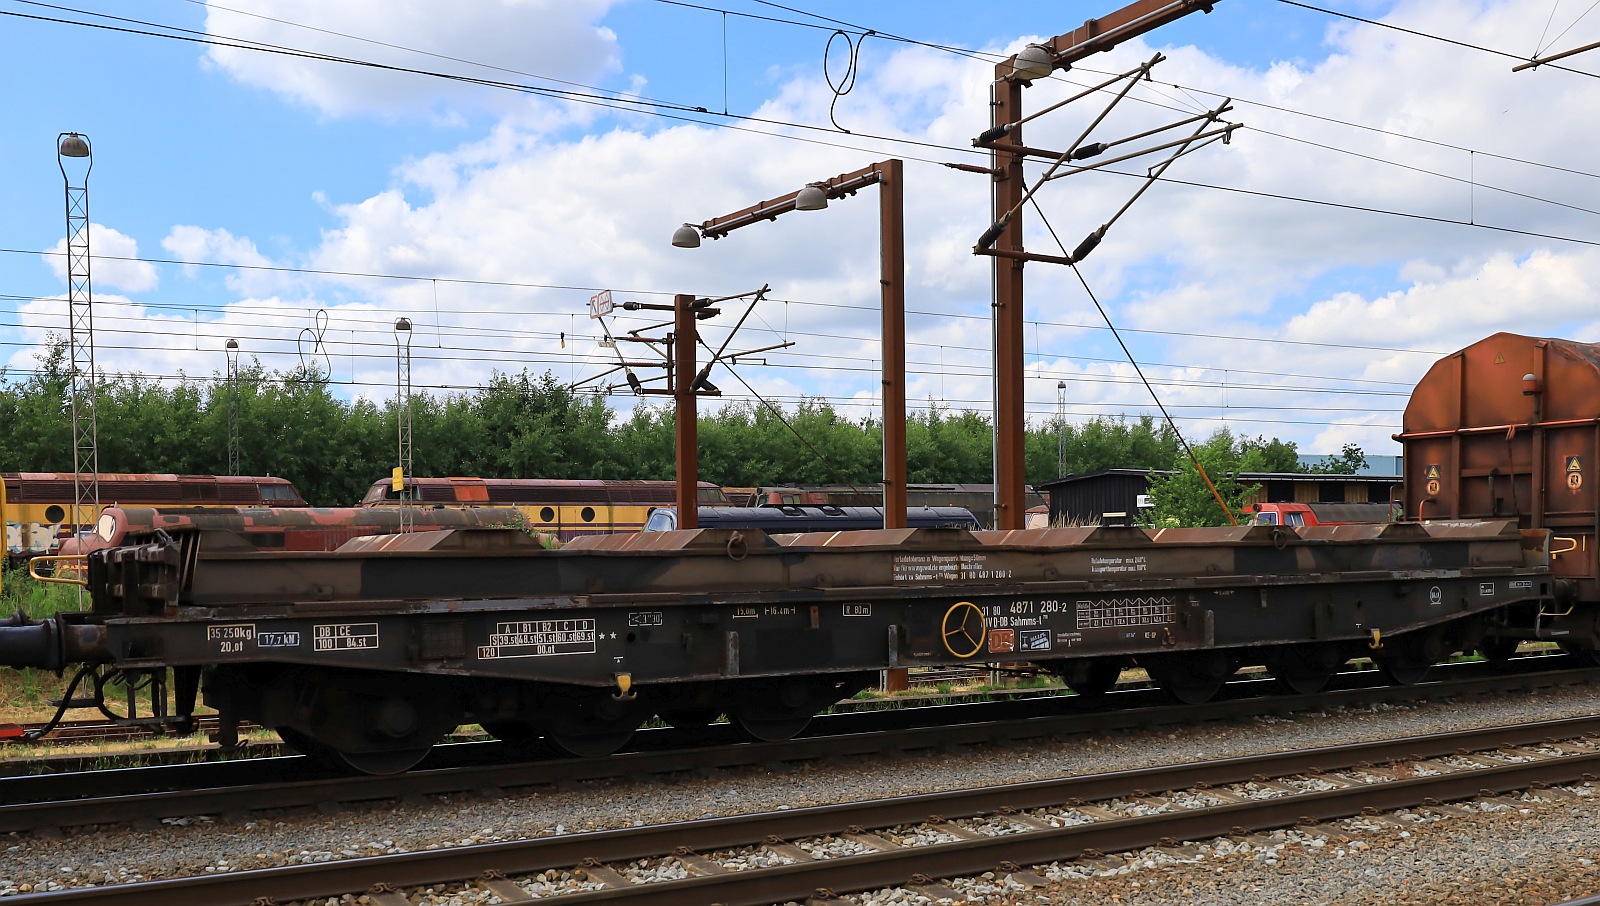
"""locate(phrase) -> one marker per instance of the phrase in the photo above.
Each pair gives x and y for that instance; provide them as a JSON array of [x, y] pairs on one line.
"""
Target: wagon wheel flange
[[963, 626]]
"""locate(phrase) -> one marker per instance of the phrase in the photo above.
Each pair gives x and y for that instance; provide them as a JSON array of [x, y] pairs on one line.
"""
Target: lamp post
[[80, 328], [1061, 429], [891, 235], [233, 406], [402, 416]]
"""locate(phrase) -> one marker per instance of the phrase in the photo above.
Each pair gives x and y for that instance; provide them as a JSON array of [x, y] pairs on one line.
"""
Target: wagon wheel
[[775, 710], [1192, 679], [1405, 661], [1094, 678], [1300, 679], [589, 723], [392, 761], [1403, 671], [533, 739], [591, 743], [1306, 669], [770, 729]]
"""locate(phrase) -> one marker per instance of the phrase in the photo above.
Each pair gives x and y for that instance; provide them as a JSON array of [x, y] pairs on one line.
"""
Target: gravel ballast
[[1543, 856]]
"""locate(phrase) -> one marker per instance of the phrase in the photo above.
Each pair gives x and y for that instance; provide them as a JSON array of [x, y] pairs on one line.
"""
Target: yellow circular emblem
[[964, 629]]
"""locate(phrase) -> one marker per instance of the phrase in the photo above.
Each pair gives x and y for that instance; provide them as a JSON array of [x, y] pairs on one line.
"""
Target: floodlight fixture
[[686, 237], [814, 197], [73, 145], [1034, 61]]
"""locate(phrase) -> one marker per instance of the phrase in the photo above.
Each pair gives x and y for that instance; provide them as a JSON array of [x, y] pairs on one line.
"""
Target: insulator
[[991, 234], [1088, 244], [993, 135]]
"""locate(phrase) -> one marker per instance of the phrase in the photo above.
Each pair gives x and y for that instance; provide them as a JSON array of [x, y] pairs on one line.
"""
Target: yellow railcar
[[41, 506], [569, 508]]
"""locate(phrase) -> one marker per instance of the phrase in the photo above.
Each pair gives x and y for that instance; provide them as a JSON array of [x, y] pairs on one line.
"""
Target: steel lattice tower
[[1061, 429], [402, 415], [80, 327], [233, 407]]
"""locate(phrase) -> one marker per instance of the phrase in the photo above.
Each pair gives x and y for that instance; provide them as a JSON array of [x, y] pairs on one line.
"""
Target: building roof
[[1240, 476]]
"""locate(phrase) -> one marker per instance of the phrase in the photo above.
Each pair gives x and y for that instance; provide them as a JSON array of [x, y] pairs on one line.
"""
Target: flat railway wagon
[[40, 507], [280, 529], [368, 655], [567, 508]]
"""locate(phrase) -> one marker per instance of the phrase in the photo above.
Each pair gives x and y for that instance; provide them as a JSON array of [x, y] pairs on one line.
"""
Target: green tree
[[1101, 443], [296, 428], [1262, 455], [144, 425], [941, 447], [1349, 461], [1181, 497], [538, 428], [645, 444], [37, 413]]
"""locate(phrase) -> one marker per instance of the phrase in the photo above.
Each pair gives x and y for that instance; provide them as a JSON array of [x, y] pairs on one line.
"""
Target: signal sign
[[1434, 477], [600, 304]]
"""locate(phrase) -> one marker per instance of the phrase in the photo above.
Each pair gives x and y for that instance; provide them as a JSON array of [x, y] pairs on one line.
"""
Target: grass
[[37, 599], [25, 693]]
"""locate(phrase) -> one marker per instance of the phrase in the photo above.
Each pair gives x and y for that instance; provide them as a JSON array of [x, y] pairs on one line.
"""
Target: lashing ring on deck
[[737, 549], [963, 625]]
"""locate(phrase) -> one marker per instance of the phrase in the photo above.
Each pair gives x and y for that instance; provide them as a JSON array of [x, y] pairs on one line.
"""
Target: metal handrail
[[80, 569]]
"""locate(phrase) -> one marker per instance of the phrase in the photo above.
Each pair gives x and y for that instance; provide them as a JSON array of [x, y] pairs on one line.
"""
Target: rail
[[53, 800], [1348, 780]]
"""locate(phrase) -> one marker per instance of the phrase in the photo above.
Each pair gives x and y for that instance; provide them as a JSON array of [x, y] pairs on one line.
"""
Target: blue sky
[[494, 214]]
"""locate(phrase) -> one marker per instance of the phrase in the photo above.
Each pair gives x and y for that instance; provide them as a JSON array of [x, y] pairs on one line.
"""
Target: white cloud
[[164, 342], [109, 264], [525, 39], [1543, 291], [192, 243], [526, 224], [597, 212]]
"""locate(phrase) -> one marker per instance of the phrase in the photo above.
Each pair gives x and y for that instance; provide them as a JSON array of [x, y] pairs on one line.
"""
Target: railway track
[[79, 735], [95, 732], [928, 842], [150, 794]]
